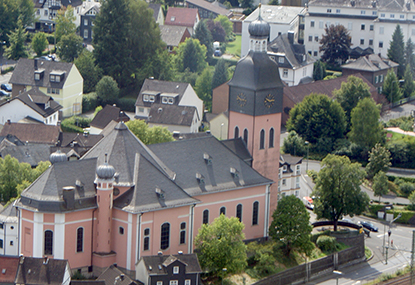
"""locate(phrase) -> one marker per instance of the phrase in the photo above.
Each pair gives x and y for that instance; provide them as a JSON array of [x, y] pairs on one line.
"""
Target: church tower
[[255, 106]]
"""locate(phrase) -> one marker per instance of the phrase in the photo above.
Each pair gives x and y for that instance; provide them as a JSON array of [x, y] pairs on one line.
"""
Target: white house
[[370, 23], [281, 20], [9, 241], [32, 104], [290, 174], [174, 105]]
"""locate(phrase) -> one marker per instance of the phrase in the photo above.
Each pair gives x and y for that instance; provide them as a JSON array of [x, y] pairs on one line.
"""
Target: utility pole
[[389, 233]]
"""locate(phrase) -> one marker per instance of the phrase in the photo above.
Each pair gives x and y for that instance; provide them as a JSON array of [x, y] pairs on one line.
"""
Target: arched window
[[80, 240], [222, 211], [262, 139], [246, 136], [48, 243], [236, 132], [165, 236], [271, 138], [146, 239], [239, 212], [183, 233], [206, 216], [255, 208]]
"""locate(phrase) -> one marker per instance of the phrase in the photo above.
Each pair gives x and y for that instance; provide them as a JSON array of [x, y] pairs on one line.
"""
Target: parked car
[[369, 226], [6, 87], [217, 53], [4, 93]]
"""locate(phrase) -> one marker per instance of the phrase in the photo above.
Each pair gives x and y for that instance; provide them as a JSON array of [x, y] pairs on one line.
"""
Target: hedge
[[126, 104], [406, 215], [326, 243], [75, 124], [314, 237]]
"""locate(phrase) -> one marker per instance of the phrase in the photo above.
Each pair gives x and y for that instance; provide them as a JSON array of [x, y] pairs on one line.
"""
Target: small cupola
[[105, 171], [57, 156]]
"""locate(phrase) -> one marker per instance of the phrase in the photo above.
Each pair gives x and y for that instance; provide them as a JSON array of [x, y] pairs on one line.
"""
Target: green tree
[[39, 43], [192, 55], [319, 71], [411, 199], [17, 38], [409, 54], [294, 145], [9, 13], [204, 36], [379, 160], [350, 93], [26, 12], [89, 70], [107, 90], [335, 44], [217, 31], [221, 74], [391, 88], [246, 3], [221, 245], [409, 84], [159, 66], [203, 88], [226, 25], [126, 40], [65, 23], [380, 184], [274, 2], [317, 116], [69, 47], [396, 51], [149, 135], [338, 189], [291, 225], [366, 129]]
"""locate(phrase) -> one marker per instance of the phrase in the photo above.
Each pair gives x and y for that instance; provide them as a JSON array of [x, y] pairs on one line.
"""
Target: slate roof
[[32, 133], [88, 5], [187, 159], [34, 271], [171, 114], [295, 54], [371, 63], [9, 215], [12, 139], [24, 71], [186, 136], [290, 159], [82, 140], [213, 7], [172, 35], [181, 17], [112, 275], [87, 282], [276, 14], [159, 86], [30, 153], [45, 194], [156, 10], [9, 265], [159, 263], [238, 147], [108, 114]]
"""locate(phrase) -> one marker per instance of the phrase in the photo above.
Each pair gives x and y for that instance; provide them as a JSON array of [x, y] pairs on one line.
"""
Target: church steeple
[[259, 34]]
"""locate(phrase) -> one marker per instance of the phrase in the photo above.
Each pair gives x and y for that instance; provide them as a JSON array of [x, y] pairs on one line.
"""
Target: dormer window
[[52, 78], [145, 98], [151, 98], [173, 18], [39, 74], [176, 270], [56, 76], [281, 59], [284, 168], [47, 105], [165, 100]]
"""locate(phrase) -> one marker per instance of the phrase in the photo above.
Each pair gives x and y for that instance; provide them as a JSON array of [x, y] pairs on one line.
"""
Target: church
[[124, 200]]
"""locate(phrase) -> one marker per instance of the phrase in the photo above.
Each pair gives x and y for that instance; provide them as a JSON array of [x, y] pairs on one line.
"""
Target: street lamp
[[338, 273], [308, 146]]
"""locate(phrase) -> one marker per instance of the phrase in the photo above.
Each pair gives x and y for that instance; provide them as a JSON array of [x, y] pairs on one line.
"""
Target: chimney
[[180, 252], [122, 276], [353, 3], [290, 37], [35, 62], [45, 260], [69, 197], [9, 122], [160, 253]]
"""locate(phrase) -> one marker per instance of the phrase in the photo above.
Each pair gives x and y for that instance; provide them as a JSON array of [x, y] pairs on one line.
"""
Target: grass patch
[[368, 252], [388, 276], [234, 47]]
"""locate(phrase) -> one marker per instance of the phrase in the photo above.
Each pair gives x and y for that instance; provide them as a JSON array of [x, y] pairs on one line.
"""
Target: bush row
[[75, 124], [90, 101]]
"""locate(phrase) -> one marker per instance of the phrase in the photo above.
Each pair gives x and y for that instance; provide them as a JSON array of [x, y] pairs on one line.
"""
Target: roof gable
[[157, 264], [372, 62], [108, 114], [158, 87]]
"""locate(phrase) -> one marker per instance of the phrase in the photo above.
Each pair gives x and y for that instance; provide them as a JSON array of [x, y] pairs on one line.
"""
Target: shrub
[[126, 104], [326, 243], [314, 237], [406, 216], [75, 124], [89, 102], [407, 188], [313, 175]]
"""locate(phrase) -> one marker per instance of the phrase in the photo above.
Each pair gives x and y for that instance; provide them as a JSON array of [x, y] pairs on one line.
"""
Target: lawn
[[398, 136], [235, 46]]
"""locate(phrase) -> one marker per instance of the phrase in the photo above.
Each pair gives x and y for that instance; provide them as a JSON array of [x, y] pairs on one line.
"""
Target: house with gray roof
[[290, 168], [105, 116], [32, 133], [87, 13], [166, 269], [174, 105], [113, 276], [174, 35], [158, 14], [208, 10], [32, 104], [29, 153], [9, 234]]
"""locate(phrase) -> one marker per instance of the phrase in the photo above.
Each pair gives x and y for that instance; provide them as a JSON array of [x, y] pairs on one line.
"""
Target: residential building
[[33, 104], [372, 67], [218, 124], [174, 35], [113, 276], [185, 17], [87, 13], [105, 116], [9, 232], [169, 269], [281, 20], [370, 23], [158, 14], [208, 10], [295, 64], [289, 184], [32, 133], [174, 105], [31, 153], [46, 12], [60, 80]]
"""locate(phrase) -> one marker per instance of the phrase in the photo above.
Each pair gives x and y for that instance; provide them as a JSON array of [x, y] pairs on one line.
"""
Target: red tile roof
[[34, 133], [181, 17]]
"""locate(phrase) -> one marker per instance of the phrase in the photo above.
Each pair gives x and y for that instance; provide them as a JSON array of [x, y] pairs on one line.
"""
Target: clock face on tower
[[241, 99], [269, 100]]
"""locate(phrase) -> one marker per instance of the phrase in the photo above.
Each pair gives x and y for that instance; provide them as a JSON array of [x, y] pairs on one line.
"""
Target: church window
[[48, 249], [222, 211], [239, 212], [206, 216], [271, 138], [146, 239], [121, 230], [183, 233], [262, 139], [255, 208], [246, 136], [80, 240], [236, 132], [165, 236]]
